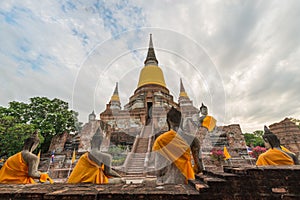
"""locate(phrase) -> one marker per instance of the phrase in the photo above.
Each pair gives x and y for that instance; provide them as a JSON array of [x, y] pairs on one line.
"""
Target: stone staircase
[[136, 164], [147, 131], [136, 161], [142, 146]]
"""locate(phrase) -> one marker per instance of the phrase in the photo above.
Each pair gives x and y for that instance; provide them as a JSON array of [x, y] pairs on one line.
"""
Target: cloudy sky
[[240, 58]]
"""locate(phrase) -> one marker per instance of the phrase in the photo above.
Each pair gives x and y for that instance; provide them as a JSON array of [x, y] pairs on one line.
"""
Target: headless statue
[[94, 166], [99, 157]]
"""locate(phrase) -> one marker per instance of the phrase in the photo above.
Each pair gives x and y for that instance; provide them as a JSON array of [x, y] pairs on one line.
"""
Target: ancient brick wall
[[122, 138], [229, 136], [288, 133], [269, 182], [58, 142], [86, 134]]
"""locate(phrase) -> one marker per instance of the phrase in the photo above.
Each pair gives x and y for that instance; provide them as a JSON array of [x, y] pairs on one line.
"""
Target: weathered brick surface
[[270, 182], [58, 142], [92, 191], [288, 133]]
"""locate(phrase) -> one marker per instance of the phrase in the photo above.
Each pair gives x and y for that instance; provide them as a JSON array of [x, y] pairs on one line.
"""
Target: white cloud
[[241, 58]]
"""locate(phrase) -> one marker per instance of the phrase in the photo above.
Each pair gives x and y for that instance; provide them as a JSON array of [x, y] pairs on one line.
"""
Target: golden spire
[[151, 73], [182, 90], [115, 96]]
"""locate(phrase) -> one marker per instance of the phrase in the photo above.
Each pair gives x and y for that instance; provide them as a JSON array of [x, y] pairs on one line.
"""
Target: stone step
[[141, 165], [137, 159], [141, 145], [207, 179], [136, 164], [135, 169], [199, 185], [139, 155], [141, 151], [143, 140], [136, 173], [144, 148], [133, 176]]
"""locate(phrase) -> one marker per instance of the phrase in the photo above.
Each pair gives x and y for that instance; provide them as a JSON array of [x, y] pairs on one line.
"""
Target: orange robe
[[174, 148], [274, 157], [15, 170], [87, 171], [209, 122]]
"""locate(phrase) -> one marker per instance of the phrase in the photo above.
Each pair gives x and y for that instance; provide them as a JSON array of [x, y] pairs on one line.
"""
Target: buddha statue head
[[173, 118], [32, 142], [203, 110], [270, 138], [97, 140]]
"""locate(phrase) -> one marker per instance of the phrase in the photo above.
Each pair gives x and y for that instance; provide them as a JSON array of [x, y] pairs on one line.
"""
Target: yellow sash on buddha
[[15, 170], [274, 157], [209, 122], [87, 171], [174, 148], [285, 149]]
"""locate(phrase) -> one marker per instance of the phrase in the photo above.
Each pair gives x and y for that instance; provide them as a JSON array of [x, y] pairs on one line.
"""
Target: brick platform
[[270, 182], [91, 191]]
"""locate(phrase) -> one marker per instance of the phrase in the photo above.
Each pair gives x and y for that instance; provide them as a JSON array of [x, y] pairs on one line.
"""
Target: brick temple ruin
[[143, 117], [136, 126]]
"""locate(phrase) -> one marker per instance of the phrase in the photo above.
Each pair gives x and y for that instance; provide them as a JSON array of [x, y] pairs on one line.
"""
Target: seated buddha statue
[[94, 166]]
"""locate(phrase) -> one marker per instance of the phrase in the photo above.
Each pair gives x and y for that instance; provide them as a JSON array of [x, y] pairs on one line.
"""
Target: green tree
[[254, 139], [13, 134], [50, 117]]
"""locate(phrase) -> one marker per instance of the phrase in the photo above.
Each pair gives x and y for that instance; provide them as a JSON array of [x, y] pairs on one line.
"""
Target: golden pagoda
[[149, 103]]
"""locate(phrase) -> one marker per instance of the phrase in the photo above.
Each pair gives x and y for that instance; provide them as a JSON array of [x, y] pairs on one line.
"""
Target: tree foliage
[[12, 135], [254, 139], [296, 121], [19, 120]]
